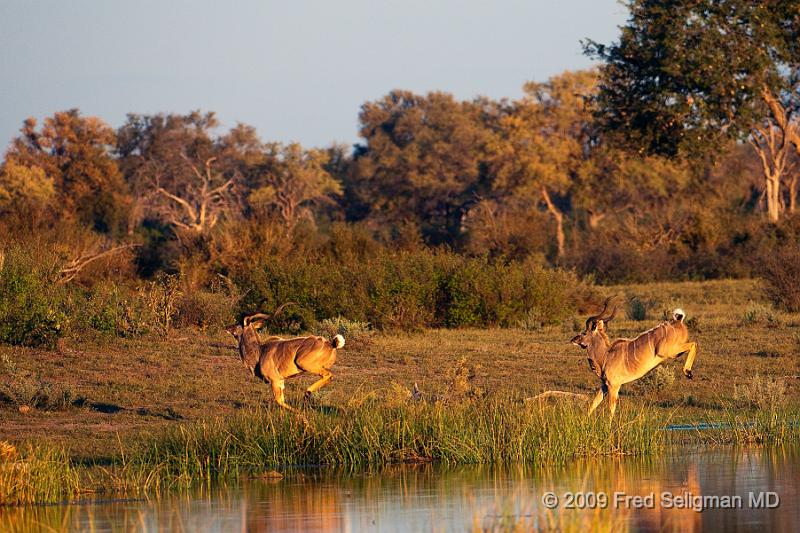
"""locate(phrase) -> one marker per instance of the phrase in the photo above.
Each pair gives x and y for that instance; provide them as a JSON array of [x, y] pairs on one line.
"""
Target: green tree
[[290, 181], [73, 153], [179, 172], [542, 144], [687, 77], [422, 160], [24, 190]]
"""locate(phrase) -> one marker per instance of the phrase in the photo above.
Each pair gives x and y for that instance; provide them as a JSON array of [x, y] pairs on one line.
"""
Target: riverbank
[[147, 392]]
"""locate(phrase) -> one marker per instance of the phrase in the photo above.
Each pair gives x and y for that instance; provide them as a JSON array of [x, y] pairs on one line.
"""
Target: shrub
[[781, 271], [767, 394], [356, 334], [114, 310], [657, 380], [636, 309], [24, 389], [30, 299], [408, 290], [204, 309], [160, 298], [756, 313]]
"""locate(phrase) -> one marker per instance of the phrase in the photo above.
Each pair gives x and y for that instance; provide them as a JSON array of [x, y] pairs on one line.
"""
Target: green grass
[[162, 412], [501, 430], [36, 473], [372, 432]]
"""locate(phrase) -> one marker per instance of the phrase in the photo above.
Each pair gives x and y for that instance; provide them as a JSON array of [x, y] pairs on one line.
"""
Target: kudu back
[[627, 360], [276, 359]]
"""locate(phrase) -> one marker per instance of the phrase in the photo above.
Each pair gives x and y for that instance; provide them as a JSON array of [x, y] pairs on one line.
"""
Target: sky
[[296, 70]]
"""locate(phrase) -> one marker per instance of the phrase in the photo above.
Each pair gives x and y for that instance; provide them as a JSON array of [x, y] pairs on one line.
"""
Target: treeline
[[507, 179], [446, 213]]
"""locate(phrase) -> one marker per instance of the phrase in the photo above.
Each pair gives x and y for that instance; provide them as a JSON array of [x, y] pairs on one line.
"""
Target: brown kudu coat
[[275, 359]]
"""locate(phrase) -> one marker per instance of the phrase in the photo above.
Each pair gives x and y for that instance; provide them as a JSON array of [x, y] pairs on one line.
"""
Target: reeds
[[498, 430], [36, 473], [370, 432]]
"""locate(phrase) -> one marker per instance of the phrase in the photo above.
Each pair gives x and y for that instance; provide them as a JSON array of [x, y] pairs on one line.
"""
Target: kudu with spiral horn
[[627, 360], [275, 359]]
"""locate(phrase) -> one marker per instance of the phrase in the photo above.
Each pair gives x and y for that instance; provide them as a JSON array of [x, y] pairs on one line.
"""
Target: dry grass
[[132, 385]]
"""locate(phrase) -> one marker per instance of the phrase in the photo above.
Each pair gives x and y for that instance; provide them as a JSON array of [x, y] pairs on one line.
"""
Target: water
[[428, 498]]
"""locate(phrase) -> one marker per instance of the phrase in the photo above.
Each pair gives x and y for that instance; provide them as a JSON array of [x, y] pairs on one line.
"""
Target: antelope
[[627, 360], [275, 359]]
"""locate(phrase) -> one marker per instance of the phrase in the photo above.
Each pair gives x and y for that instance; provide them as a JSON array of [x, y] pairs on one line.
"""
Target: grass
[[500, 430], [36, 473], [159, 412]]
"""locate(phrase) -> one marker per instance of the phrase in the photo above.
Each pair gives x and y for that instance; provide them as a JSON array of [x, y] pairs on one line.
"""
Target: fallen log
[[558, 394]]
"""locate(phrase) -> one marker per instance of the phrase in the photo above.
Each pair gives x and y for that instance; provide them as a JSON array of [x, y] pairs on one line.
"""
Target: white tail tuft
[[338, 341], [679, 314]]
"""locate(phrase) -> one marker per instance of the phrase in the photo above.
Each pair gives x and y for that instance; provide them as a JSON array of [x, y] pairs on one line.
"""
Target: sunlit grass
[[36, 473], [371, 432], [500, 430]]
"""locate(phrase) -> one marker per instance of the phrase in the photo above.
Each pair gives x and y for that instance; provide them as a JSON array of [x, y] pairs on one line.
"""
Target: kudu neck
[[250, 347], [598, 347]]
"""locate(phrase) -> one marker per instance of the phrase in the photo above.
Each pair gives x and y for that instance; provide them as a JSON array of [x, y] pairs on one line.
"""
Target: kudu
[[627, 360], [275, 359]]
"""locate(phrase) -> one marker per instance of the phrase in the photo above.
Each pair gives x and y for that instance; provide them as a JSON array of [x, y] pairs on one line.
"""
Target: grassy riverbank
[[368, 432], [153, 412]]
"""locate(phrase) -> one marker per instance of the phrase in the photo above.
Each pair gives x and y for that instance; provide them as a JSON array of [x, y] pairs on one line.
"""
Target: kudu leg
[[277, 390], [314, 387], [613, 395], [687, 366], [601, 392], [689, 348]]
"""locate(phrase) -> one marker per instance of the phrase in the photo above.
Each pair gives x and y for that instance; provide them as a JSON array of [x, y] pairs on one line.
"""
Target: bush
[[115, 310], [30, 299], [356, 334], [24, 389], [205, 309], [637, 310], [781, 272], [756, 313], [766, 394], [657, 380], [408, 290]]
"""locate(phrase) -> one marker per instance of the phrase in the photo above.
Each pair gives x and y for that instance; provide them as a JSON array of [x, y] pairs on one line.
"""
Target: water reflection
[[425, 498]]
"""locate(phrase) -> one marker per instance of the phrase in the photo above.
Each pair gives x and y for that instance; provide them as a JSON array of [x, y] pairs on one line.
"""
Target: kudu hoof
[[688, 373]]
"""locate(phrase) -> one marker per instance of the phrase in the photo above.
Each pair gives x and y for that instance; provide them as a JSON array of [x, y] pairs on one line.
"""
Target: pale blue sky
[[297, 71]]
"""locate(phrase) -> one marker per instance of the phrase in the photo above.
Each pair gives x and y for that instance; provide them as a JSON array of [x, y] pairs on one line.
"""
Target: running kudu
[[276, 359], [627, 360]]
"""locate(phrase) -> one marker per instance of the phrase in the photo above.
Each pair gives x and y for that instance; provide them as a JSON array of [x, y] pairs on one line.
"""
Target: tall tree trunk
[[558, 216], [773, 198], [793, 194], [770, 143]]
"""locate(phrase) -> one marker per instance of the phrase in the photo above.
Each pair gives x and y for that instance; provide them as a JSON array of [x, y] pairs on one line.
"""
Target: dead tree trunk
[[558, 216], [769, 142]]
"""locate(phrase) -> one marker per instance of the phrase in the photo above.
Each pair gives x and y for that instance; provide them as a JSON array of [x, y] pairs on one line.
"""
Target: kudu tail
[[678, 314], [338, 341]]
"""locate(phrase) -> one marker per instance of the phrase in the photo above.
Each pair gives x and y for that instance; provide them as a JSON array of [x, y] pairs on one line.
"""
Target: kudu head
[[595, 327], [250, 323]]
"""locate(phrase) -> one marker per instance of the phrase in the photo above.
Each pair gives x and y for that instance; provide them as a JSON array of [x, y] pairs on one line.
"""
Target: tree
[[291, 180], [71, 154], [542, 143], [687, 77], [178, 172], [422, 160], [24, 190]]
